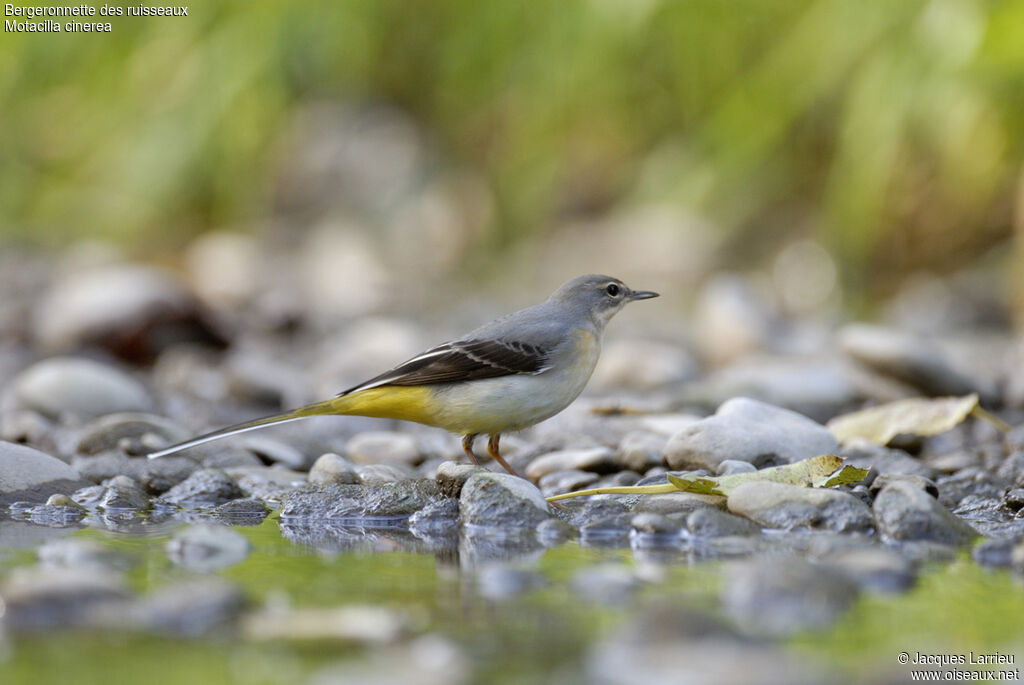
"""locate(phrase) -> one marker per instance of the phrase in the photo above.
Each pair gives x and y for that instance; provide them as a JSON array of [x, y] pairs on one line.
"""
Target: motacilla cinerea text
[[505, 376]]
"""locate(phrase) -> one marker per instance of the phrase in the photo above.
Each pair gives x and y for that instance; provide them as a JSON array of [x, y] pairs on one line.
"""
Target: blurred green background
[[890, 132]]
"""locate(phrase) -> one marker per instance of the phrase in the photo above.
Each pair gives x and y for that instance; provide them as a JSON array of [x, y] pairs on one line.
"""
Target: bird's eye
[[613, 290]]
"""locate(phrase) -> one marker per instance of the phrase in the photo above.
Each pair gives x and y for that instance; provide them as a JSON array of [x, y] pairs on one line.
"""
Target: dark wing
[[464, 360]]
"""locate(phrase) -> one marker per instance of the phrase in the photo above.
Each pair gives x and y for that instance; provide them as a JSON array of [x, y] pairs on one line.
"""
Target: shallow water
[[541, 634]]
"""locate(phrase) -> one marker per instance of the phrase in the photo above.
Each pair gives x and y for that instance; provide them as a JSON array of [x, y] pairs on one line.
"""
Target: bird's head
[[601, 297]]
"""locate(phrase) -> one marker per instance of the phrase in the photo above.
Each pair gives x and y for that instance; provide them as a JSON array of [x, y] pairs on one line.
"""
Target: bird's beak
[[642, 295]]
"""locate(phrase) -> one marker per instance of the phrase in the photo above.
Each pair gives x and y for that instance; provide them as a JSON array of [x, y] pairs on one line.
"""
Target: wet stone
[[59, 511], [451, 476], [207, 547], [439, 518], [393, 500], [501, 500], [267, 484], [747, 430], [778, 505], [709, 522], [29, 474], [904, 512], [242, 512], [207, 487], [332, 468], [780, 596], [122, 493], [153, 475]]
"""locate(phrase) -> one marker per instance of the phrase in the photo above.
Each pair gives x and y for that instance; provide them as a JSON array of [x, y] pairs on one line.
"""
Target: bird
[[504, 376]]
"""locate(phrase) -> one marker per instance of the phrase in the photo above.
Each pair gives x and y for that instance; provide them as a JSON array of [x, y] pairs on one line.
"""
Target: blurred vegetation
[[892, 131]]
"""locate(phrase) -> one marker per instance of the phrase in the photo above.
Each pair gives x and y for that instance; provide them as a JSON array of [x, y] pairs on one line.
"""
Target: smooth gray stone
[[153, 475], [595, 459], [27, 474], [748, 430], [332, 468], [905, 512], [779, 505], [82, 387], [501, 500]]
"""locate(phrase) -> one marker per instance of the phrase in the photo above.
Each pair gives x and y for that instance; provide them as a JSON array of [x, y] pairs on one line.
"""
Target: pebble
[[783, 595], [31, 475], [153, 475], [383, 447], [375, 474], [207, 547], [596, 459], [451, 476], [439, 518], [654, 524], [501, 500], [747, 430], [779, 505], [560, 482], [642, 450], [709, 522], [272, 451], [391, 500], [132, 433], [242, 512], [332, 468], [905, 512], [677, 503], [81, 387], [206, 487], [884, 460], [265, 483]]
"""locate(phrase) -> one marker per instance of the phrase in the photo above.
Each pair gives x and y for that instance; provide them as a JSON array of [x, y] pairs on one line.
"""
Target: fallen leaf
[[915, 416], [818, 472], [815, 471]]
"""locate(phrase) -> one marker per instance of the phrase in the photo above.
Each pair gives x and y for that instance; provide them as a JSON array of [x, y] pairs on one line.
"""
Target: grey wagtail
[[505, 376]]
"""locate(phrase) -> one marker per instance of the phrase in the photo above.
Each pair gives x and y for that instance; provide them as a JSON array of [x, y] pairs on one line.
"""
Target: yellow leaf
[[816, 471], [916, 416]]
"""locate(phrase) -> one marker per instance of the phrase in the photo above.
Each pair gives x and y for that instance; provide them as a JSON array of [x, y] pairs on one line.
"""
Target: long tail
[[315, 409]]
